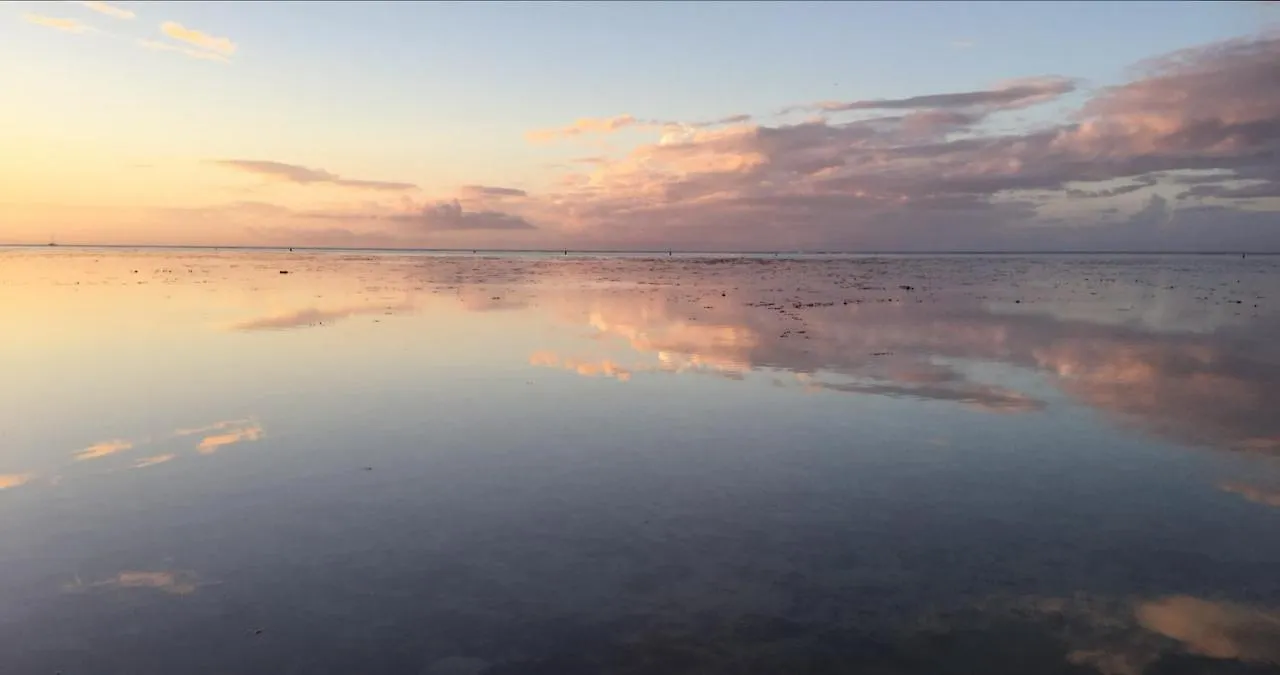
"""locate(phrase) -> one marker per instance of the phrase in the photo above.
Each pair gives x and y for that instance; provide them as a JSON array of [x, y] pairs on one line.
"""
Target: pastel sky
[[716, 126]]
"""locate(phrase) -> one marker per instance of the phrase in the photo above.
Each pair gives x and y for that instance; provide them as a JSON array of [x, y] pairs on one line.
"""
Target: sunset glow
[[550, 126]]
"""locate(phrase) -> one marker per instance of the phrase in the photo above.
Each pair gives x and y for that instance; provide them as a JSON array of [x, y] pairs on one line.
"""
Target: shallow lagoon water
[[382, 463]]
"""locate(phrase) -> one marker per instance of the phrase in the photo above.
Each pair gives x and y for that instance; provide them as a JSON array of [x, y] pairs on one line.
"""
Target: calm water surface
[[457, 465]]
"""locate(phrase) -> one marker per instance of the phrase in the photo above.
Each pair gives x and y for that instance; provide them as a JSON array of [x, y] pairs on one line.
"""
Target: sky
[[752, 126]]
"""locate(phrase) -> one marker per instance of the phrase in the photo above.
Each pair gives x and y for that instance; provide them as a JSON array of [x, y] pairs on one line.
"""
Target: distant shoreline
[[620, 252]]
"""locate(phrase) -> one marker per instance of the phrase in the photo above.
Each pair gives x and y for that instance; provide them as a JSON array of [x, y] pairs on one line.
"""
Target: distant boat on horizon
[[52, 241]]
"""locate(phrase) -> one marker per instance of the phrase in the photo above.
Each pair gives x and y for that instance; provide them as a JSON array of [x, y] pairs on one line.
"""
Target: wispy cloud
[[963, 44], [585, 125], [57, 23], [216, 426], [198, 39], [109, 9], [293, 173], [1017, 94], [487, 191], [156, 45], [609, 125], [103, 449]]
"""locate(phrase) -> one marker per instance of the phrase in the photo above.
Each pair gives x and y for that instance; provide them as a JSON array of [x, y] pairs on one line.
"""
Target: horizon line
[[565, 251]]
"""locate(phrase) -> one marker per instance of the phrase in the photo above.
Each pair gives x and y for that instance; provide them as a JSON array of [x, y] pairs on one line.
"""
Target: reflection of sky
[[668, 448], [1204, 388]]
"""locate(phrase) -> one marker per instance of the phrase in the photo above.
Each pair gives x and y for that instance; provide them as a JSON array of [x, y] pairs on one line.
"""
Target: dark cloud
[[731, 119], [1015, 95], [1112, 192], [451, 216], [302, 175], [487, 191]]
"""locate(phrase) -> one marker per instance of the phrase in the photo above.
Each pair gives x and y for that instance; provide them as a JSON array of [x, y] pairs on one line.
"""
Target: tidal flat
[[246, 461]]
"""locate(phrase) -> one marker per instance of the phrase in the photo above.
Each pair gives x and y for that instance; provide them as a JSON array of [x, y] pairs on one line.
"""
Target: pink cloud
[[293, 173], [56, 23], [1180, 157], [585, 125], [198, 39], [926, 174], [1203, 387], [109, 9]]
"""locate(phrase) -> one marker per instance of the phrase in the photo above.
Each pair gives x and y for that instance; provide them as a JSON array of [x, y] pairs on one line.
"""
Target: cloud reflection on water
[[1206, 388], [604, 368], [104, 449], [236, 433], [166, 581], [313, 316], [1221, 630], [839, 329], [12, 480], [1252, 493], [154, 460]]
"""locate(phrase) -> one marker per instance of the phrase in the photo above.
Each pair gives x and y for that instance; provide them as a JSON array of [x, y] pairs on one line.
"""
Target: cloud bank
[[1183, 156], [1192, 139]]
